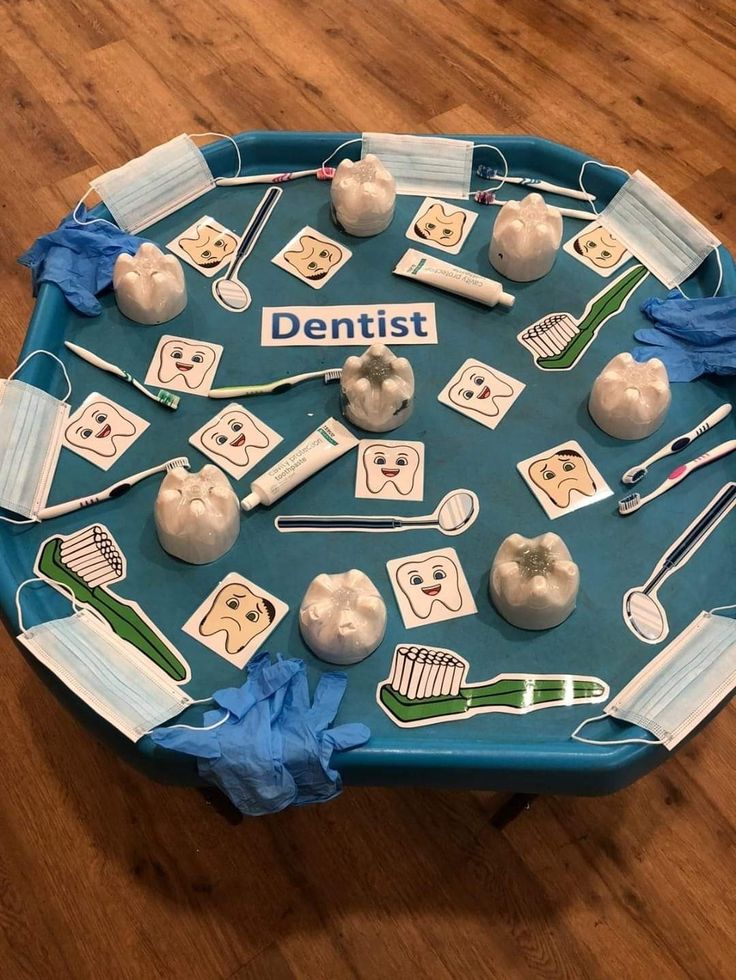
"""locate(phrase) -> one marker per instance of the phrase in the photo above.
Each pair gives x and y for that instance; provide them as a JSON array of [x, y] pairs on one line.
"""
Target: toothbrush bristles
[[182, 461], [627, 504], [93, 555], [633, 476], [334, 374]]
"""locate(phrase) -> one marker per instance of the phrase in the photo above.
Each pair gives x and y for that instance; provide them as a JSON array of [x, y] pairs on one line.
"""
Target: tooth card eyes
[[598, 249], [101, 430], [563, 479], [430, 587], [180, 364], [441, 225], [390, 470], [235, 619], [312, 257], [235, 439], [481, 392], [206, 245]]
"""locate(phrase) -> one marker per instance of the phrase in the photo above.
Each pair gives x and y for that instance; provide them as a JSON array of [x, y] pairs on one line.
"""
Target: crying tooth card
[[430, 587], [101, 430], [180, 364], [390, 470], [563, 479], [236, 618], [312, 257], [235, 439], [441, 225], [206, 245], [481, 392], [598, 249]]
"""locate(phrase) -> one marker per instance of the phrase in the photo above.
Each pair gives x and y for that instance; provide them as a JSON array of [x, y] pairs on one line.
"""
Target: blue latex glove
[[79, 259], [273, 749], [692, 336]]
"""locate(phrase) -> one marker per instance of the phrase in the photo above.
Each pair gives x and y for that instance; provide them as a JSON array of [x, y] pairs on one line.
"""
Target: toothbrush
[[275, 387], [87, 561], [116, 490], [635, 500], [322, 173], [489, 197], [636, 473], [490, 173], [163, 397], [427, 685]]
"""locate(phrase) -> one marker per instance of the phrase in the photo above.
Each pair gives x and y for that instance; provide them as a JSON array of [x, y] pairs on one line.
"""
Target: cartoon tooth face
[[314, 258], [435, 225], [480, 390], [210, 246], [231, 435], [240, 614], [600, 247], [98, 428], [394, 465], [560, 474], [190, 362], [434, 580]]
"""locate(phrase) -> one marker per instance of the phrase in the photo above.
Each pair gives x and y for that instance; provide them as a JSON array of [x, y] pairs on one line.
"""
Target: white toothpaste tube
[[451, 278], [324, 445]]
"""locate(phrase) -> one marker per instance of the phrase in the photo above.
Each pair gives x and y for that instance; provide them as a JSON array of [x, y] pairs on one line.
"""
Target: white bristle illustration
[[420, 672], [550, 336], [93, 555]]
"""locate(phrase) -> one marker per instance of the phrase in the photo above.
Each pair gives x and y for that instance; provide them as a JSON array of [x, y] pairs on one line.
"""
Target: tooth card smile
[[101, 430], [235, 439], [348, 326], [390, 470], [430, 587], [184, 365], [481, 392]]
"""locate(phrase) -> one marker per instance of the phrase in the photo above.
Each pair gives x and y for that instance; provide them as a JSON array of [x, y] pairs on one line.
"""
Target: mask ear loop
[[716, 609], [611, 741], [681, 291], [75, 605], [232, 140], [502, 180], [357, 139], [58, 360], [92, 221], [604, 166]]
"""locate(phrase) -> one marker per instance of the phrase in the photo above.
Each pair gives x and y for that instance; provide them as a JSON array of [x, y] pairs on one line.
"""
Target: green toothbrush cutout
[[558, 340], [86, 562], [426, 686]]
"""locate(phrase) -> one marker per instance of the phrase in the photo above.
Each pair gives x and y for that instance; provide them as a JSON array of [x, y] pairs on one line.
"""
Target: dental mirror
[[645, 616], [454, 514], [228, 290]]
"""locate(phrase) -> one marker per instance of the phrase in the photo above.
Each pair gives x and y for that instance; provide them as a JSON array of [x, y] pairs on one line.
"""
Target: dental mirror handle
[[299, 523], [253, 229]]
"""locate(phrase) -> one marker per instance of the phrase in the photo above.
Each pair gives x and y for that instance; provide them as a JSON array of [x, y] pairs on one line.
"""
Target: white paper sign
[[440, 225], [235, 439], [481, 392], [101, 430], [348, 326], [563, 479], [430, 587], [184, 365]]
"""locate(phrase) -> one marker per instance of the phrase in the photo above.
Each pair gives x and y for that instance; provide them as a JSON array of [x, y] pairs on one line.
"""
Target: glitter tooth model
[[377, 389]]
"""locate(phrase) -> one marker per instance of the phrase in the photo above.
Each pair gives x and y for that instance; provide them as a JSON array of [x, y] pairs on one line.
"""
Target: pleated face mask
[[429, 166]]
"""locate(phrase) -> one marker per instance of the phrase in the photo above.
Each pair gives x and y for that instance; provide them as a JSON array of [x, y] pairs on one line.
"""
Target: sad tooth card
[[312, 257], [563, 479], [206, 245], [441, 225]]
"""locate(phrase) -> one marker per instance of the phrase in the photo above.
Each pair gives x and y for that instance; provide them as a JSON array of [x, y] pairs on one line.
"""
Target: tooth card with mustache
[[430, 587], [481, 392], [235, 439], [563, 479], [390, 470], [312, 257], [235, 619], [206, 245], [101, 430], [441, 225], [180, 364]]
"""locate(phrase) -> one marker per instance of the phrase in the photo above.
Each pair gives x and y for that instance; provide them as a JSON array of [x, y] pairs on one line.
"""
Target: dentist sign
[[348, 326]]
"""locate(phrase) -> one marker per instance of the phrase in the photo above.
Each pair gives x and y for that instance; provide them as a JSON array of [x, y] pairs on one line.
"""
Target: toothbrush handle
[[683, 441], [685, 469], [114, 490]]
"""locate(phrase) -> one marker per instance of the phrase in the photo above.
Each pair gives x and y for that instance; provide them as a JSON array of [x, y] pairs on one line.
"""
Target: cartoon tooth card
[[312, 257], [184, 365], [441, 225], [235, 439], [563, 479], [481, 392], [236, 618], [206, 245], [101, 430], [598, 249], [390, 470], [430, 587]]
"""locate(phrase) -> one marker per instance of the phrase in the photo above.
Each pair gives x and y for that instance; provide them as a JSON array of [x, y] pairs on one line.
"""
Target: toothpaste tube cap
[[506, 299], [250, 502]]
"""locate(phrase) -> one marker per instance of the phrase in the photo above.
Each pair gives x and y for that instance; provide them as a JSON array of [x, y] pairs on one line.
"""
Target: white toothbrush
[[635, 500], [116, 490], [636, 473]]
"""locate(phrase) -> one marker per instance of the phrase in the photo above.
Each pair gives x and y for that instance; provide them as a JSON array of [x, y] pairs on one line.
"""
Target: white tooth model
[[526, 238], [534, 581], [342, 617], [630, 400], [377, 390], [363, 196], [149, 286], [197, 514]]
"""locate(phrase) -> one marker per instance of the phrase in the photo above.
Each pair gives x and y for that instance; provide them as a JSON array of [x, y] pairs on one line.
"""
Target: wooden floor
[[105, 874]]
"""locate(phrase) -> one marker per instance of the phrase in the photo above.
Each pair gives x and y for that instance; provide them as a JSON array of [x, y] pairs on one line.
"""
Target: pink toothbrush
[[635, 500]]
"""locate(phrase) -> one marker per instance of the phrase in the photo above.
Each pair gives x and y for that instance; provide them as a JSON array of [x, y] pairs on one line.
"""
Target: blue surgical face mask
[[31, 432], [109, 675], [680, 686]]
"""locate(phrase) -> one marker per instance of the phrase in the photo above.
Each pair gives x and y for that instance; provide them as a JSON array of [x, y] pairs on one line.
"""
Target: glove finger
[[327, 697]]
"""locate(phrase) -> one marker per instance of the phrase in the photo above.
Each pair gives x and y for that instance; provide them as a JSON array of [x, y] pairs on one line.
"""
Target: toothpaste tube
[[327, 443], [451, 278]]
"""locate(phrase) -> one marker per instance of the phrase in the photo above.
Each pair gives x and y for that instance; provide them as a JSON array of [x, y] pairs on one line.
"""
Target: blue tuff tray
[[529, 753]]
